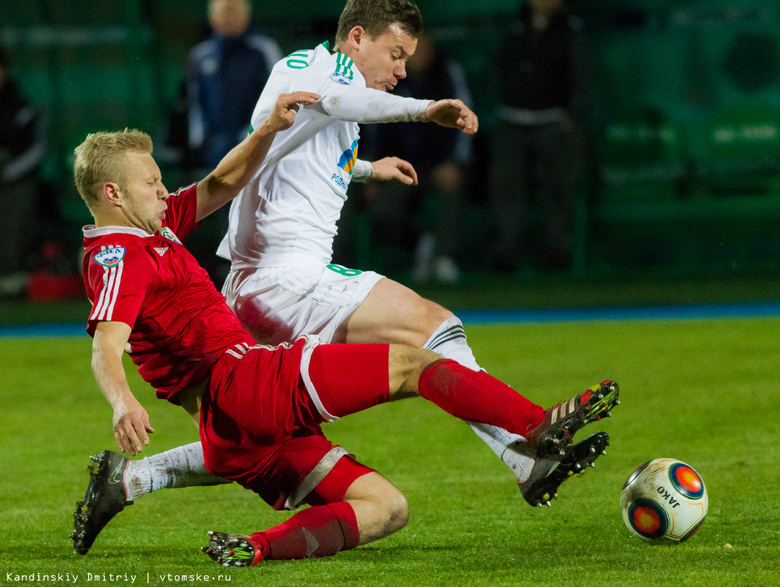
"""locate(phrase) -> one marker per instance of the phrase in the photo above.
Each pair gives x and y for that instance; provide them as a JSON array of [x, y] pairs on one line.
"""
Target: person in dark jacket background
[[225, 76], [535, 72]]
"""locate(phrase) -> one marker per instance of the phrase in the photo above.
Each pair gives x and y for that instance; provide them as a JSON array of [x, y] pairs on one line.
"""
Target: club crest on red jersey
[[169, 234], [110, 257]]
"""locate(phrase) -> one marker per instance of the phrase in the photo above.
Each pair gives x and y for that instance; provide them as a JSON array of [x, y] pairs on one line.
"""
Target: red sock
[[476, 396], [321, 530]]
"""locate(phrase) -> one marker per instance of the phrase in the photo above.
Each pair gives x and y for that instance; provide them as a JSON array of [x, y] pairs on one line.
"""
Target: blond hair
[[101, 158], [376, 15]]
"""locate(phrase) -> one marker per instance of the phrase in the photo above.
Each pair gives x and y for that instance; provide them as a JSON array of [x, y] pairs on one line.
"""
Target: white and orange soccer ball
[[664, 500]]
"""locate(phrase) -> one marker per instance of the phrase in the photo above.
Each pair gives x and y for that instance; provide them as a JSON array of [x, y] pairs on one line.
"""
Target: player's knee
[[381, 512], [405, 365], [422, 318], [432, 315], [396, 512]]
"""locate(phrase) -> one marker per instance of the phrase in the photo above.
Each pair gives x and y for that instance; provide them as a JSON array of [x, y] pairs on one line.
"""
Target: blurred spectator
[[533, 147], [428, 214], [21, 151], [225, 77]]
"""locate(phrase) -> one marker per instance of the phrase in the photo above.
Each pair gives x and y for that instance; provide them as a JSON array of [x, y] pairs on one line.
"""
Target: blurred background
[[669, 117]]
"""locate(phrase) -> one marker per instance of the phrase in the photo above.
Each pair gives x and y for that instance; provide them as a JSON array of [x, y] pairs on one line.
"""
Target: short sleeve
[[119, 277]]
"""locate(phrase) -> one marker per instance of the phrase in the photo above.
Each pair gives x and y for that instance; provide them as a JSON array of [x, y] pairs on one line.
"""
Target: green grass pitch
[[702, 391]]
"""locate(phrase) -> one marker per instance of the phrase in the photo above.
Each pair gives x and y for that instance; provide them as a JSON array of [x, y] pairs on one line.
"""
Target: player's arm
[[242, 162], [368, 106], [131, 421]]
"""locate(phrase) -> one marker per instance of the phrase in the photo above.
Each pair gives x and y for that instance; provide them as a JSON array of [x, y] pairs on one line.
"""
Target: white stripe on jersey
[[96, 307], [103, 299], [115, 294], [112, 277], [243, 348], [106, 294]]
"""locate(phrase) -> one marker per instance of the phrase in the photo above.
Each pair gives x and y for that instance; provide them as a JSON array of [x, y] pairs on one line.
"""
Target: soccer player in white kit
[[282, 283]]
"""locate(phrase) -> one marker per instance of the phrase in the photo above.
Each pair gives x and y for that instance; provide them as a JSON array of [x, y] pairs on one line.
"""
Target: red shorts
[[260, 418]]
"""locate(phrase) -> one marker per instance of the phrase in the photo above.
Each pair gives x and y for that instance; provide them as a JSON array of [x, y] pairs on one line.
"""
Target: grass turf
[[705, 392]]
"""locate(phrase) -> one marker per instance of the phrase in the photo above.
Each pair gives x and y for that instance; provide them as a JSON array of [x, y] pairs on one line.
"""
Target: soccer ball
[[664, 500]]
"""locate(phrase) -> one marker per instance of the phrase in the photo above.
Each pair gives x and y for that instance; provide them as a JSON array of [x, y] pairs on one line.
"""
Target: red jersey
[[180, 323]]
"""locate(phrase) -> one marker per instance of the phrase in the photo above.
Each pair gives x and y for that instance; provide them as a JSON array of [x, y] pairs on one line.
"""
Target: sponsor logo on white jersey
[[110, 257], [348, 158], [340, 78], [339, 181]]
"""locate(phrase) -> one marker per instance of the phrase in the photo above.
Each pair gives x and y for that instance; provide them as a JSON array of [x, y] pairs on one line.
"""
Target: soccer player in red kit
[[259, 408]]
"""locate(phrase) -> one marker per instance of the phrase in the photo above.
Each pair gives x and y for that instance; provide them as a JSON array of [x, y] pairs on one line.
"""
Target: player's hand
[[394, 168], [453, 114], [131, 427], [283, 114]]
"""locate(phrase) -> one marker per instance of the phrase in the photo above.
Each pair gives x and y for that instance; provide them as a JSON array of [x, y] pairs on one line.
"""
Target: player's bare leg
[[394, 313]]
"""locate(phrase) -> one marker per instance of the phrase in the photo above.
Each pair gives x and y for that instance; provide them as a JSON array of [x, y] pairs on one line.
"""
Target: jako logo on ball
[[664, 500]]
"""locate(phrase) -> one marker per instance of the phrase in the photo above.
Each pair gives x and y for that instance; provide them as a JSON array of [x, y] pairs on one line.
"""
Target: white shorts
[[279, 304]]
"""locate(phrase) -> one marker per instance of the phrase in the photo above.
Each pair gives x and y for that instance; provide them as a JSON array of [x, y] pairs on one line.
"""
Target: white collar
[[92, 231]]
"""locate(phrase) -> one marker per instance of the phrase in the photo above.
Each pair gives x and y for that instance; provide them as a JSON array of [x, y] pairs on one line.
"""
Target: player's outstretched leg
[[562, 421], [478, 397], [547, 475], [106, 496]]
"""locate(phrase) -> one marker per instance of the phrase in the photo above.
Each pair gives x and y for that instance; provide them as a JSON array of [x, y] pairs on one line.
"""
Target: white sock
[[182, 466], [449, 340], [505, 444]]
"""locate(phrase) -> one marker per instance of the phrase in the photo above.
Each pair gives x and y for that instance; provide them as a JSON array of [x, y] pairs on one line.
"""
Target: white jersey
[[287, 214]]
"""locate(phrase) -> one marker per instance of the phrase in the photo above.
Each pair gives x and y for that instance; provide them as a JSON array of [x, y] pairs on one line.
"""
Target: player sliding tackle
[[282, 284], [259, 408]]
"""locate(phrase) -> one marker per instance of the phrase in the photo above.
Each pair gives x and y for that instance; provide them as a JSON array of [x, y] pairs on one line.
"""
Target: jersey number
[[344, 271], [298, 60]]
